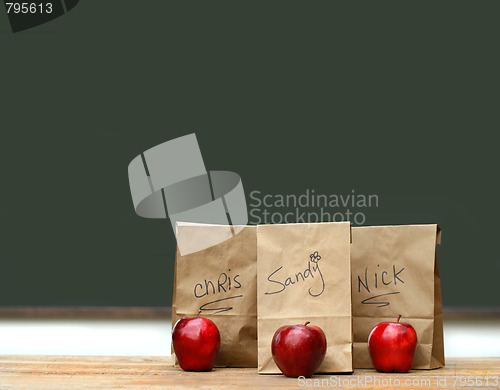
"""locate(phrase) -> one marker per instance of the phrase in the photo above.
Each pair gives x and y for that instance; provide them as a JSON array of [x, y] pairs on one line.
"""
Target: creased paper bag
[[395, 271], [220, 283], [304, 275]]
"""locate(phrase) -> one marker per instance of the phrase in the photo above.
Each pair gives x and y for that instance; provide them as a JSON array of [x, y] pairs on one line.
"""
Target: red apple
[[392, 346], [298, 350], [196, 343]]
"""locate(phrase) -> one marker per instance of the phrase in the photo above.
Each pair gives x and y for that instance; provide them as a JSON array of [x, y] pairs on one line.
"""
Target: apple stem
[[399, 316], [199, 311], [308, 322]]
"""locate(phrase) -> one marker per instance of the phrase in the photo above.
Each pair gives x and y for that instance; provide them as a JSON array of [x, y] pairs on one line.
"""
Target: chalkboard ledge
[[91, 312], [119, 312]]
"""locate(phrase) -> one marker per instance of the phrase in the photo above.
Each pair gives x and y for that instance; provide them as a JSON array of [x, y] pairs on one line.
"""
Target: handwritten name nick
[[311, 271], [380, 280]]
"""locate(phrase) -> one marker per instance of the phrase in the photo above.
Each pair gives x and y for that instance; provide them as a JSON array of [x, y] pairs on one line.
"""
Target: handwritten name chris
[[223, 285], [280, 282]]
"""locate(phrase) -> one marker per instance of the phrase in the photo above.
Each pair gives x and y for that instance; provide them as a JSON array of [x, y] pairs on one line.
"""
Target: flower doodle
[[315, 257]]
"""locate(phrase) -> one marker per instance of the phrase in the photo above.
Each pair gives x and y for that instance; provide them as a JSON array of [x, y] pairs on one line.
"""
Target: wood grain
[[73, 372]]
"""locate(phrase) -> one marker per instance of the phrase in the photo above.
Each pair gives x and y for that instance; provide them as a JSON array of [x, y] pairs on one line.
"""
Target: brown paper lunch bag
[[395, 272], [303, 274], [220, 283]]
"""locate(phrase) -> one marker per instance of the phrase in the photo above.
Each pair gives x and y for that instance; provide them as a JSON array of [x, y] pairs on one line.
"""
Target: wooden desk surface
[[75, 372]]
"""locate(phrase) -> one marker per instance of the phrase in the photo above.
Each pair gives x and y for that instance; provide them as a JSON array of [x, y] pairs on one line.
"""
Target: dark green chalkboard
[[397, 99]]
